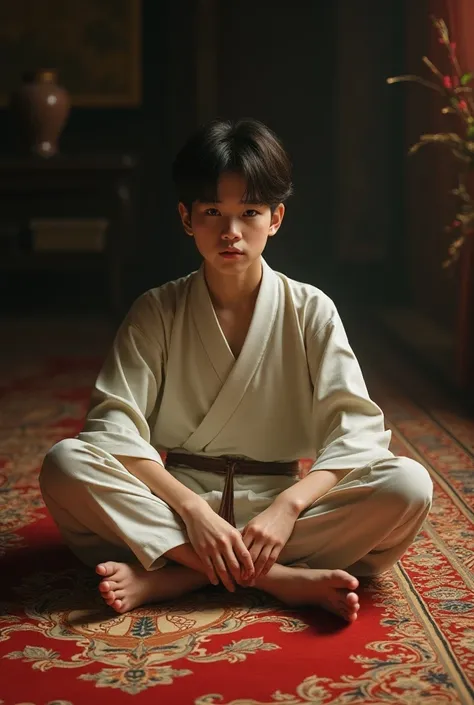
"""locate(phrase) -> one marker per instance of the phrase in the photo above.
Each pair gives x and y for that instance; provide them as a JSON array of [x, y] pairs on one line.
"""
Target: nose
[[230, 230]]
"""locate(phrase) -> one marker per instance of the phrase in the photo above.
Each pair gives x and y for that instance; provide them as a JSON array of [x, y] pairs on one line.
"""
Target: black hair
[[246, 147]]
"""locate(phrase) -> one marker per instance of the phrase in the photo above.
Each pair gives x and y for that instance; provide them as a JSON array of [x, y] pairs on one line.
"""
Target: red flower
[[462, 105], [447, 82]]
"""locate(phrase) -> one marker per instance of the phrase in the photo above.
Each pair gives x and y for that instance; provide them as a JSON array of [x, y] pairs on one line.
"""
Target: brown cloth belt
[[230, 467]]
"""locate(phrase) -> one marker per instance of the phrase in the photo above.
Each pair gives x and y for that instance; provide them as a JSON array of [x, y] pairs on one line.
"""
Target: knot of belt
[[229, 467]]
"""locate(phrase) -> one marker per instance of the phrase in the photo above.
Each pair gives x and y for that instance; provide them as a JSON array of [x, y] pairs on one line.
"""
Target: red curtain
[[460, 19]]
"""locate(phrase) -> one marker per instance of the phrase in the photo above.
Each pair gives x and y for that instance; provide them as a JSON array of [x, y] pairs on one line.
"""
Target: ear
[[185, 218], [277, 218]]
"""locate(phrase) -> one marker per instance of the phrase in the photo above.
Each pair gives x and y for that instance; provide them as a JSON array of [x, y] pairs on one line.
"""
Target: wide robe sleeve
[[349, 427], [127, 388]]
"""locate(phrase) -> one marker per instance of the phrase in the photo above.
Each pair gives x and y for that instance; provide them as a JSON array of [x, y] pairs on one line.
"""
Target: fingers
[[225, 557], [220, 564], [239, 562], [247, 539], [245, 559], [260, 554], [210, 572], [221, 570], [233, 565], [271, 560], [216, 569], [264, 556]]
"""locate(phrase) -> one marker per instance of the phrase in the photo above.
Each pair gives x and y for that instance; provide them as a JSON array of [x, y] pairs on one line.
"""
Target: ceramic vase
[[41, 108]]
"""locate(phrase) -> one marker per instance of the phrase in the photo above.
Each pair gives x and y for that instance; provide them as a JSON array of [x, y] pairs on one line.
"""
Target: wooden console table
[[72, 186]]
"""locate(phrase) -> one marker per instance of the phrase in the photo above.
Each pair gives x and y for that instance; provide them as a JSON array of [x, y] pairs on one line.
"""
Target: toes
[[338, 610], [108, 596], [352, 599], [351, 603], [106, 585], [342, 607], [347, 598], [119, 606], [348, 615], [346, 580], [106, 569], [351, 612]]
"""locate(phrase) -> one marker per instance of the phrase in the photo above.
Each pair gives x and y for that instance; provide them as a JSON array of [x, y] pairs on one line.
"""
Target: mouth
[[230, 251]]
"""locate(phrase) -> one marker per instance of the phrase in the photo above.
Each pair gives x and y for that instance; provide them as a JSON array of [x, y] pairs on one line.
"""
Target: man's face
[[230, 234]]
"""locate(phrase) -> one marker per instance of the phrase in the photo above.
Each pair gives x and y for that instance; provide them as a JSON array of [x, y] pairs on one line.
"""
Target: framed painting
[[94, 45]]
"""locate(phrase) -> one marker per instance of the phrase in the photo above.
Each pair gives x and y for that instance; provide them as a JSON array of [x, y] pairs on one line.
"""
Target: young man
[[236, 372]]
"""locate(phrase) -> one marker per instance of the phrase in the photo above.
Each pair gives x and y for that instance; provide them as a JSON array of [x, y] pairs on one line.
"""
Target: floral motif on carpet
[[413, 643]]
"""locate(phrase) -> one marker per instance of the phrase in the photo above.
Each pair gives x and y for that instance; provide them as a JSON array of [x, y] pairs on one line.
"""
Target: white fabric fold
[[295, 391]]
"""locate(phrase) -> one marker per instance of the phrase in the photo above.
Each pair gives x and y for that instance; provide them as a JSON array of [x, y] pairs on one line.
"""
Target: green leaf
[[466, 78], [470, 132]]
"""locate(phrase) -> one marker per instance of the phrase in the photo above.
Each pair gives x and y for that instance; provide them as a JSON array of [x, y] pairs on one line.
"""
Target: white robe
[[296, 391], [171, 382]]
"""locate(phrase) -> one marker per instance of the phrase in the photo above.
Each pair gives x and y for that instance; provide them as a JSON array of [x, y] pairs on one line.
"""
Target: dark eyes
[[250, 213]]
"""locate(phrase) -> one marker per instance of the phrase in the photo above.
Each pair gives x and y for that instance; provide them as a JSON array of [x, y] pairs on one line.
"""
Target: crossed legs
[[111, 520]]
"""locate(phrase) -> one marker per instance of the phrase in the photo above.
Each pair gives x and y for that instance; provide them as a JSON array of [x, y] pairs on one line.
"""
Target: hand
[[266, 534], [219, 546]]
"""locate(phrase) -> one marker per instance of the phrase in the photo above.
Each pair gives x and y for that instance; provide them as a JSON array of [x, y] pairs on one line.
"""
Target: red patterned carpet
[[413, 642]]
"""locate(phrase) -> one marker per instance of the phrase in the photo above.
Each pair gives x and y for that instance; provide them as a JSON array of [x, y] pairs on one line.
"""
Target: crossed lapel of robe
[[236, 375]]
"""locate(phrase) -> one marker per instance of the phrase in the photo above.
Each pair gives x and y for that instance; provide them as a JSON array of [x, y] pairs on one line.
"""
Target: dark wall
[[153, 132], [271, 59], [276, 63], [369, 149]]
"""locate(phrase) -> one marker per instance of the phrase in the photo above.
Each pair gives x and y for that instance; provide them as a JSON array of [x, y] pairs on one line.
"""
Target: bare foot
[[125, 587], [331, 589]]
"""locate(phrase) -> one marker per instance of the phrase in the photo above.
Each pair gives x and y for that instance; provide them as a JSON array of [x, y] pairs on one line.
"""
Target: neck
[[234, 292]]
